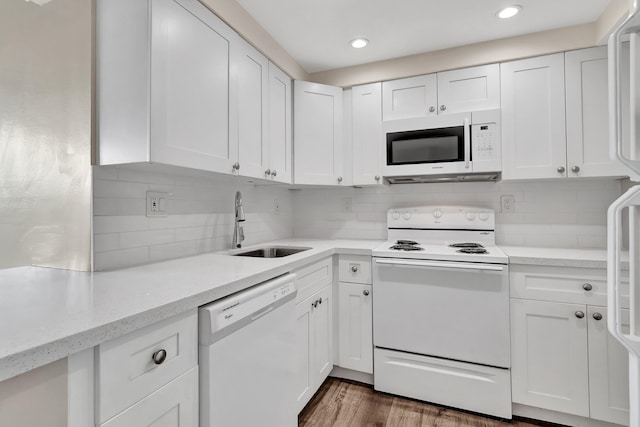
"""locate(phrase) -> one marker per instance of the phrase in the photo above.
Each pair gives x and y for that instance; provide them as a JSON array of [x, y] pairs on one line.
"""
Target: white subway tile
[[145, 238], [121, 258], [115, 224], [172, 250], [132, 207], [105, 206], [119, 189], [105, 242]]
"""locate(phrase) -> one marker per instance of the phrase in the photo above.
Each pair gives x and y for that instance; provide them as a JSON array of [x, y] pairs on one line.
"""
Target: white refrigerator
[[624, 214]]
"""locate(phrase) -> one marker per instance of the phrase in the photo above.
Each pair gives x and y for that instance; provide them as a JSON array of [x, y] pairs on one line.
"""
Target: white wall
[[201, 215], [566, 213], [45, 133]]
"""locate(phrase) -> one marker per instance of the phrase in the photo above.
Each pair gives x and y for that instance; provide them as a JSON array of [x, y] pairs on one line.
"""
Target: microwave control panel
[[483, 138]]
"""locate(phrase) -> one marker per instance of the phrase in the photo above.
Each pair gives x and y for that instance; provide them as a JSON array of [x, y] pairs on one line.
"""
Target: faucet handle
[[241, 234]]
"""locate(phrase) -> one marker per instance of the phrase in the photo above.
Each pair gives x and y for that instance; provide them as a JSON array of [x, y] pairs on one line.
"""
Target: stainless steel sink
[[271, 252]]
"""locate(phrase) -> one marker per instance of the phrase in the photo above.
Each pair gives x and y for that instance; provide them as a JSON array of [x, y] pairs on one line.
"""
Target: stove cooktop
[[442, 251]]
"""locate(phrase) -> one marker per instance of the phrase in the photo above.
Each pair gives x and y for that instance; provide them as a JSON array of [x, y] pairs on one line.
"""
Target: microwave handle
[[467, 143]]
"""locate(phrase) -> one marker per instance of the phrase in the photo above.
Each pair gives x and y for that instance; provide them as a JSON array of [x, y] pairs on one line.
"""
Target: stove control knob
[[483, 216], [395, 215], [406, 215], [471, 216], [437, 213]]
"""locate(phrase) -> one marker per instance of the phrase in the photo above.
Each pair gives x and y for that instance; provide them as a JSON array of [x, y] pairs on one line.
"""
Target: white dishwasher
[[248, 357]]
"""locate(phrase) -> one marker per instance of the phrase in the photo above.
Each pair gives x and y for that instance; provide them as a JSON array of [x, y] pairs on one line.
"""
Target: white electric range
[[441, 309]]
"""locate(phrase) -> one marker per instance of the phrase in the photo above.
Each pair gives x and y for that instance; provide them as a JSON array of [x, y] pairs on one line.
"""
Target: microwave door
[[630, 159]]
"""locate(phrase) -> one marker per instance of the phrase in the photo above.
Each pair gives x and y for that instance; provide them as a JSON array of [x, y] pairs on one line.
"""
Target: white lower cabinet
[[355, 320], [315, 348], [563, 357], [174, 405], [549, 356]]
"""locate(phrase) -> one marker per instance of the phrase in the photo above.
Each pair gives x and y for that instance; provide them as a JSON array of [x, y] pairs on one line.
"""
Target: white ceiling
[[316, 33]]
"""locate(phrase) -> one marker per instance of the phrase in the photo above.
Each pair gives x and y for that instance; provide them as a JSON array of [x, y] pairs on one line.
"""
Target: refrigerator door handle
[[628, 28]]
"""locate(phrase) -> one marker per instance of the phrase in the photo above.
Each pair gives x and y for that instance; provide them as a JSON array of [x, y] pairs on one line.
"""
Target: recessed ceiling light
[[509, 11], [359, 43]]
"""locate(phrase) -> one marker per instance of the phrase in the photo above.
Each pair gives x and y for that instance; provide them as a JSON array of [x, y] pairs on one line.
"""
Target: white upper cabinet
[[410, 97], [165, 89], [533, 118], [469, 89], [366, 123], [280, 167], [318, 134], [588, 114], [253, 92]]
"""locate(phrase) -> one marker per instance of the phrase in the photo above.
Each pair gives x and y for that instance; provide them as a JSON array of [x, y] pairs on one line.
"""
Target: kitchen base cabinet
[[174, 405], [315, 344], [355, 330], [549, 356]]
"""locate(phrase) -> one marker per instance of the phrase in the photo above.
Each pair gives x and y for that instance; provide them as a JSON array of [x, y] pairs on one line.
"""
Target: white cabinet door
[[191, 100], [279, 125], [355, 326], [409, 98], [608, 369], [318, 137], [469, 89], [322, 337], [549, 366], [174, 405], [533, 118], [304, 381], [588, 114], [368, 143], [253, 91]]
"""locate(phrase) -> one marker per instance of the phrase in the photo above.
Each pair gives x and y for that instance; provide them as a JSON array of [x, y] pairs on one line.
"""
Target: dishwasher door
[[248, 357]]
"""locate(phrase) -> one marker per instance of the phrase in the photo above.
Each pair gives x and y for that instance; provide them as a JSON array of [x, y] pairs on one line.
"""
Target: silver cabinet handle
[[274, 172], [365, 293], [579, 314], [354, 268], [443, 107], [561, 169], [432, 109], [267, 172], [587, 287], [575, 169], [236, 166], [159, 356], [597, 316], [377, 177], [339, 179]]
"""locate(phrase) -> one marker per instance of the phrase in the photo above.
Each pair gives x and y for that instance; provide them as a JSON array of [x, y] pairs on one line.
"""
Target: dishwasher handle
[[438, 264], [221, 318]]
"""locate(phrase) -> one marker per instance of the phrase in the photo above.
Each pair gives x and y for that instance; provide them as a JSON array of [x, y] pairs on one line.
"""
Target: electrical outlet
[[157, 204], [508, 203], [276, 207], [347, 205]]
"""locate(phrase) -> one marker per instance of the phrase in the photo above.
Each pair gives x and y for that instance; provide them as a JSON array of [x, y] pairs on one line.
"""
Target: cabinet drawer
[[312, 278], [354, 269], [562, 284], [175, 404], [126, 370]]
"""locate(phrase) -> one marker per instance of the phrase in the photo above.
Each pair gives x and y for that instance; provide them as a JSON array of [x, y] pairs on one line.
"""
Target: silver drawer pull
[[354, 268], [579, 314], [587, 287], [365, 293], [597, 316], [159, 356]]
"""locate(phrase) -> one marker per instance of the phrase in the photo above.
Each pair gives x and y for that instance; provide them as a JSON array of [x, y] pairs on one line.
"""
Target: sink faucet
[[238, 232]]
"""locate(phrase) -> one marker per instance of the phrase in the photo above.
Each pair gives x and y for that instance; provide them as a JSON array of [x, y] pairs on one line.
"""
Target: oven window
[[425, 146]]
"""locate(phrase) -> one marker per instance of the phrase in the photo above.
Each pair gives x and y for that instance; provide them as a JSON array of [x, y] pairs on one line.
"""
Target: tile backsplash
[[200, 215], [568, 213]]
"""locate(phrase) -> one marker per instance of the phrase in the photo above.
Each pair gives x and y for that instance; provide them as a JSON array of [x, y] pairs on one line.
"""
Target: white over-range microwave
[[452, 147]]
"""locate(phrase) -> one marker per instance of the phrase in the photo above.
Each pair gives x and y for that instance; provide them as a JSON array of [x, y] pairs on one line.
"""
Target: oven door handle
[[452, 265], [467, 144]]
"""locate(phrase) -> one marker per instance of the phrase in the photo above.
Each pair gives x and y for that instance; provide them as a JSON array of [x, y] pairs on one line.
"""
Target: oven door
[[453, 310], [427, 146]]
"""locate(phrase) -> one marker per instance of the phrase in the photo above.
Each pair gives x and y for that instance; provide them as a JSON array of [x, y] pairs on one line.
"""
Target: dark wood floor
[[341, 403]]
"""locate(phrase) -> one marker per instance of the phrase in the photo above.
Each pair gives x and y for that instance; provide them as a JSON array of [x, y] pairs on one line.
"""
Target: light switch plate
[[157, 204]]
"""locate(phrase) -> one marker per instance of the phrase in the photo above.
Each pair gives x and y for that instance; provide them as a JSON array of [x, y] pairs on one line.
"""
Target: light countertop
[[47, 314]]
